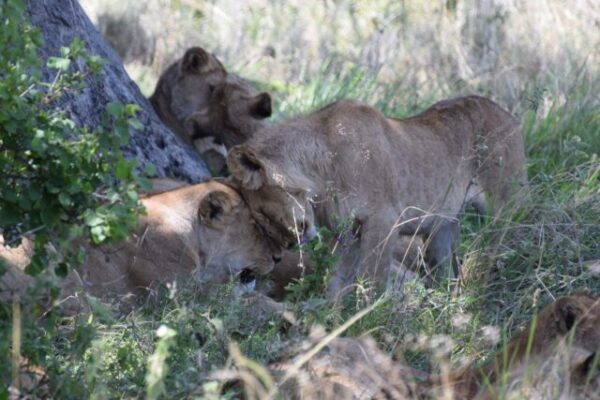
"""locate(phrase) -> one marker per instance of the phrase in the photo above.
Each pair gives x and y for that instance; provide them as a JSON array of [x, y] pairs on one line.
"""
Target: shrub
[[61, 182]]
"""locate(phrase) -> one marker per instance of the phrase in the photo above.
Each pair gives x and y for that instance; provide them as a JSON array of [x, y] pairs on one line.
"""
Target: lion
[[206, 106], [185, 87], [233, 114], [203, 231], [409, 176], [564, 337]]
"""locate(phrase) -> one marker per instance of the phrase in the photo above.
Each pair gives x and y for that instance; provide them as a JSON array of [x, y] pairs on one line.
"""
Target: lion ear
[[584, 368], [566, 315], [260, 106], [244, 165], [215, 205], [194, 59]]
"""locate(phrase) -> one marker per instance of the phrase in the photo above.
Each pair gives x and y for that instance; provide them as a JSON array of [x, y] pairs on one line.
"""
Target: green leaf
[[98, 233], [92, 219], [9, 215], [122, 170], [113, 196], [36, 265], [145, 184], [135, 123], [38, 142], [59, 63], [114, 108], [49, 215], [64, 199], [34, 192], [122, 132], [132, 195]]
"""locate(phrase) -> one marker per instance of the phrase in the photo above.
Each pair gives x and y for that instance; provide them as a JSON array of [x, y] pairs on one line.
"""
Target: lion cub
[[408, 176], [208, 107]]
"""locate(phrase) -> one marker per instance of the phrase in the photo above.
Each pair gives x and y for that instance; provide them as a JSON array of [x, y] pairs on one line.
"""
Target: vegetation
[[179, 345], [61, 182]]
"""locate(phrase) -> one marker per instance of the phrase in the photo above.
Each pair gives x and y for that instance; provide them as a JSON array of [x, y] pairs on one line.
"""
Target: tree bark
[[60, 21]]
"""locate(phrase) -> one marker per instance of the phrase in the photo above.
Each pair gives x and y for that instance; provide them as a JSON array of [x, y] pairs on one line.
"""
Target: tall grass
[[512, 50], [540, 59]]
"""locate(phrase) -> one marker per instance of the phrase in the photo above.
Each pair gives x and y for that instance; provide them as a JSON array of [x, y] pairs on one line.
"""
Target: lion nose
[[276, 259]]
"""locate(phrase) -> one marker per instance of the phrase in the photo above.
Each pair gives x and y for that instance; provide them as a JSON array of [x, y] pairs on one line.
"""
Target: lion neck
[[296, 152]]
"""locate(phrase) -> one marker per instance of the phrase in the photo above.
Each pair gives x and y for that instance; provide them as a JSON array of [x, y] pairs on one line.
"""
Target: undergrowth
[[513, 265]]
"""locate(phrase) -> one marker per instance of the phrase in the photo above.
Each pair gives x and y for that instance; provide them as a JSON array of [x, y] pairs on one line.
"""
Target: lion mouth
[[248, 280]]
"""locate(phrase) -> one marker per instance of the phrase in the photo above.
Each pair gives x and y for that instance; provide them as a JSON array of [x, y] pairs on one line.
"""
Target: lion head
[[567, 329], [281, 204], [228, 237], [185, 87], [233, 113]]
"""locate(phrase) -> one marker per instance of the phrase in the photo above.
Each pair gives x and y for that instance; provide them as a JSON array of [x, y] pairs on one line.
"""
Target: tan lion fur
[[205, 106], [185, 87], [202, 231], [234, 113], [410, 176], [564, 335]]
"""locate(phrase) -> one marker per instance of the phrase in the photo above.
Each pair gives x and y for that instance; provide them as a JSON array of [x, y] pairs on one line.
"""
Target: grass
[[537, 256], [514, 265]]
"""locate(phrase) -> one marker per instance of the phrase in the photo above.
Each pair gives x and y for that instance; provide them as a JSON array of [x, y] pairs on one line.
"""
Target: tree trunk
[[63, 20]]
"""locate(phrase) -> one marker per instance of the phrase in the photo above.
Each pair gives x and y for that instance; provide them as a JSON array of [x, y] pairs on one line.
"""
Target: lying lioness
[[410, 176], [564, 338], [202, 231]]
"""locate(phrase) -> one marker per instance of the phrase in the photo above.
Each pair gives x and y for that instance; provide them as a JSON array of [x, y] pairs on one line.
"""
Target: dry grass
[[509, 49]]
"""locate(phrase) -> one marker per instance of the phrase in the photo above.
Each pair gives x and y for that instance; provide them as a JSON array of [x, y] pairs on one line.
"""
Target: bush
[[61, 182]]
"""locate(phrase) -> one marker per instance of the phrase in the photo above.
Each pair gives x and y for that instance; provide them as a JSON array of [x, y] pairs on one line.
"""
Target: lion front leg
[[370, 258], [441, 249]]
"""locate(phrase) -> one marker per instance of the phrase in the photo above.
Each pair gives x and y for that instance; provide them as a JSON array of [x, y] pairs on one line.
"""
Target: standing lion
[[395, 176]]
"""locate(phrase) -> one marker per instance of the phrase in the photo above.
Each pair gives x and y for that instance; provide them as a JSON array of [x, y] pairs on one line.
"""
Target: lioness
[[565, 332], [185, 88], [411, 176], [203, 231], [206, 106]]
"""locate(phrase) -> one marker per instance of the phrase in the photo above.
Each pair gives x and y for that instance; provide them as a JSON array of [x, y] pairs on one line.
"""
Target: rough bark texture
[[63, 20]]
